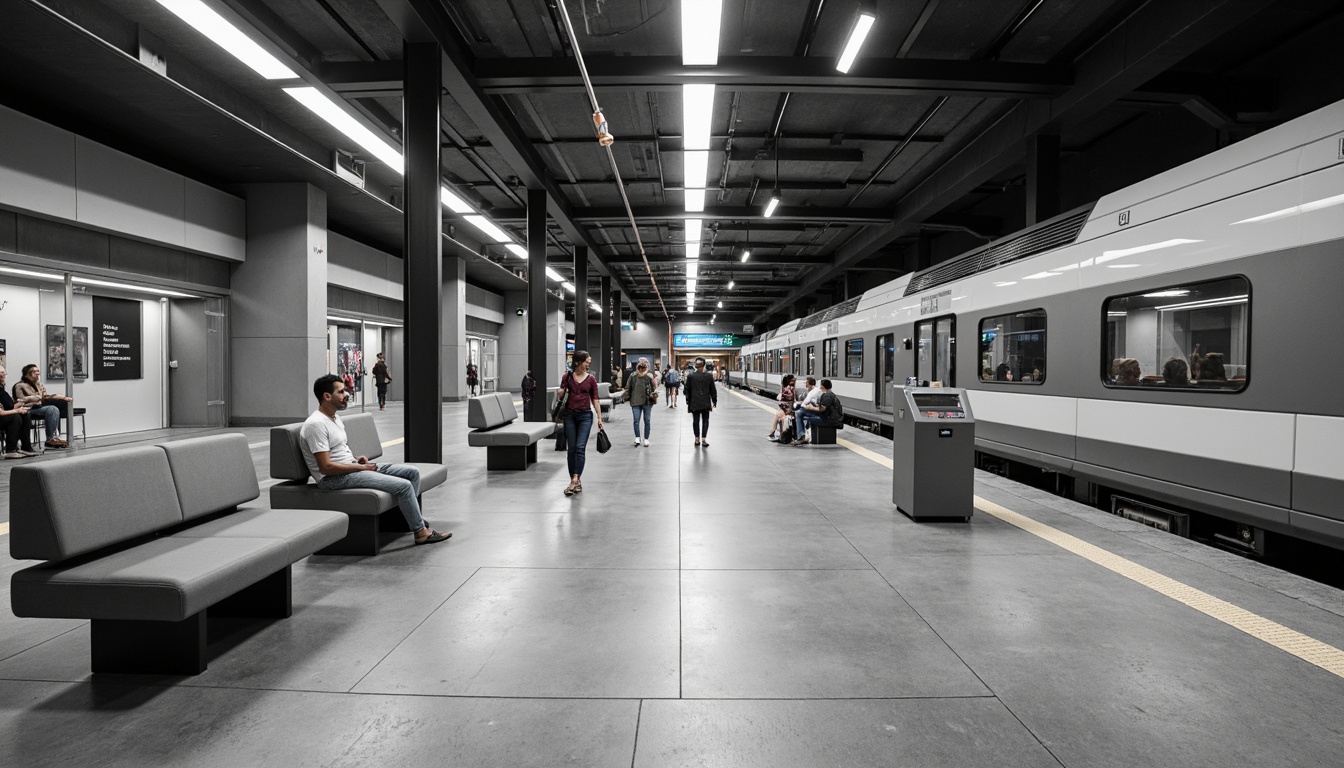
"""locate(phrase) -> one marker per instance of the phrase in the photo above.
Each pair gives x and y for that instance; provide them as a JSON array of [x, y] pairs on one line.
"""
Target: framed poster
[[117, 343], [56, 352]]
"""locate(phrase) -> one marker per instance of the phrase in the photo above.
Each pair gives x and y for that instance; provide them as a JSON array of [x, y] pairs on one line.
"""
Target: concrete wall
[[356, 266]]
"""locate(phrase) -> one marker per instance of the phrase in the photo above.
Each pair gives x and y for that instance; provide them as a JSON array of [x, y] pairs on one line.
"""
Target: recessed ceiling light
[[221, 32], [341, 120], [700, 22]]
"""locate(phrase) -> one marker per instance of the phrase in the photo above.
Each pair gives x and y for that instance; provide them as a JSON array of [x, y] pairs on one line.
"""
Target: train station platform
[[745, 604]]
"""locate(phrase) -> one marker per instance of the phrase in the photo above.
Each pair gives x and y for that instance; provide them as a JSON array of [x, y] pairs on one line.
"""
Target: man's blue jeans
[[646, 412], [400, 480], [806, 419], [51, 416]]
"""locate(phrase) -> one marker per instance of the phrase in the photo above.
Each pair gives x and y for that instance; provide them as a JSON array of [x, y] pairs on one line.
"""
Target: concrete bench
[[371, 511], [606, 399], [144, 542], [508, 442]]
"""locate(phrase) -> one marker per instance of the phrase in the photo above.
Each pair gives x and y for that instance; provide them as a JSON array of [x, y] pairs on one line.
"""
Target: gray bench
[[145, 541], [371, 511], [508, 442]]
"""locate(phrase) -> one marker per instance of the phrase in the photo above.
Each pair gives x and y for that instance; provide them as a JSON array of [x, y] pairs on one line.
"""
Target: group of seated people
[[817, 406], [1004, 372], [1205, 368], [30, 400]]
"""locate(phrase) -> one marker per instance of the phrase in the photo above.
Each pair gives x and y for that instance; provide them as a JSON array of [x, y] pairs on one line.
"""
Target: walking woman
[[701, 398], [672, 380], [381, 378], [579, 413], [641, 392]]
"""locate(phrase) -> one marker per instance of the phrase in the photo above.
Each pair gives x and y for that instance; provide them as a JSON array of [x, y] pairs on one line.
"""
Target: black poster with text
[[117, 349]]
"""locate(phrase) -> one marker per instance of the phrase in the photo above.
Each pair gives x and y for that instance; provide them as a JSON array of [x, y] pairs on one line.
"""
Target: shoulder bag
[[561, 401], [603, 442]]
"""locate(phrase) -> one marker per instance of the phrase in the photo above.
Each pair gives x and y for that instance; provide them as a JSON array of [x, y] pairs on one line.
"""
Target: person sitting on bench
[[30, 393], [335, 467], [15, 423], [816, 413]]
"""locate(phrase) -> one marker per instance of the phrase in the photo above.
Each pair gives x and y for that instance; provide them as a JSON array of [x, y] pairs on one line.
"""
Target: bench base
[[823, 435], [365, 534], [178, 647], [510, 457]]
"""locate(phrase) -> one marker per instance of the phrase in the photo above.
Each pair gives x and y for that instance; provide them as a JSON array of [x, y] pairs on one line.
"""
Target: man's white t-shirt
[[813, 395], [320, 434]]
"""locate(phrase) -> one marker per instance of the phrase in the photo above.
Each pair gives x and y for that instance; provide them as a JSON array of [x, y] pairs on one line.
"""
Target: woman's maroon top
[[581, 393]]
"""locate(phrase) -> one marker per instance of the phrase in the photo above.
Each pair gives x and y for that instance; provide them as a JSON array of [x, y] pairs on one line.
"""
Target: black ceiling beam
[[355, 79], [1147, 43], [754, 214], [428, 21], [673, 142], [771, 74]]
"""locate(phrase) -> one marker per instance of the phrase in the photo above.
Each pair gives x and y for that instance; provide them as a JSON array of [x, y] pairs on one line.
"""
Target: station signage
[[708, 340], [117, 350]]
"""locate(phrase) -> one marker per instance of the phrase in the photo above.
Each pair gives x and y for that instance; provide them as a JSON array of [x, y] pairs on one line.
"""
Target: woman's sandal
[[578, 488], [434, 537], [570, 489]]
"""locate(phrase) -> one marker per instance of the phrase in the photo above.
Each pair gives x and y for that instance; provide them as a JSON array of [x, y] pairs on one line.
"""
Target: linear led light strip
[[91, 281], [701, 21]]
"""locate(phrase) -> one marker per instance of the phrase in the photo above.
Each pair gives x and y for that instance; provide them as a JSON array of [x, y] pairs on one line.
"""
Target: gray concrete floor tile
[[892, 533], [785, 541], [1088, 659], [810, 634], [957, 733], [524, 632], [51, 724]]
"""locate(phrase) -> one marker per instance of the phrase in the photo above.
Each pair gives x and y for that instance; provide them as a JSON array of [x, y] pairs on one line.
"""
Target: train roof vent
[[1046, 236], [830, 313]]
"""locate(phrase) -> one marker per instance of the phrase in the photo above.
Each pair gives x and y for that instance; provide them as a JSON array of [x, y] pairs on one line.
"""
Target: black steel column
[[581, 311], [423, 257], [604, 332], [538, 351], [1043, 198], [616, 332]]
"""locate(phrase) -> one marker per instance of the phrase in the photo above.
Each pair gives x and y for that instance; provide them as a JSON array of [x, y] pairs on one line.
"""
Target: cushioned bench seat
[[509, 443], [144, 542], [370, 511]]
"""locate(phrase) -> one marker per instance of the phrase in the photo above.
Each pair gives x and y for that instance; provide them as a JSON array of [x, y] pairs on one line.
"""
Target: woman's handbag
[[653, 392], [561, 403], [603, 442]]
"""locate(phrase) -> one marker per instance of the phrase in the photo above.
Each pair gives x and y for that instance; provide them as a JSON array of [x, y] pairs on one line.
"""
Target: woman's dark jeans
[[577, 426]]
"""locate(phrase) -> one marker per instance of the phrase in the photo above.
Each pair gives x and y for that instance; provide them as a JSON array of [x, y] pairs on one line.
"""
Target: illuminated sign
[[720, 340]]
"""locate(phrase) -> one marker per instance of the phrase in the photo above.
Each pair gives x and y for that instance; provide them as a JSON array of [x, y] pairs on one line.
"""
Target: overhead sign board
[[718, 340]]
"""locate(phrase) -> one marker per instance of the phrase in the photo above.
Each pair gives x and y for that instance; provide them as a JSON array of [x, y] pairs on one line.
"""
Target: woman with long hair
[[785, 412], [579, 411]]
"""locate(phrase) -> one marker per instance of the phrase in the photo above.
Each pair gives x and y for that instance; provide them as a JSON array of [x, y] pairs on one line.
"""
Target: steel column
[[604, 332], [616, 333], [580, 297], [537, 350], [423, 259]]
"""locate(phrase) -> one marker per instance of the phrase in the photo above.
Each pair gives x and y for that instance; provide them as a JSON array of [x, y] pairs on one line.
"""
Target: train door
[[812, 361], [797, 361], [886, 360], [935, 359]]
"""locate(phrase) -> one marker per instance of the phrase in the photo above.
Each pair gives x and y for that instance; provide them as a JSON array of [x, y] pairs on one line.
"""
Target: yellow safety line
[[1309, 649], [4, 529], [398, 441]]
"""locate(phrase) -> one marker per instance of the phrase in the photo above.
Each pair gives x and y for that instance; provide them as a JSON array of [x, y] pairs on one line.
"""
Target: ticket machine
[[933, 453]]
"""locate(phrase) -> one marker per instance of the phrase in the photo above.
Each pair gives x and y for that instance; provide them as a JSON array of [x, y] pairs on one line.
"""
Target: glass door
[[489, 365], [886, 359]]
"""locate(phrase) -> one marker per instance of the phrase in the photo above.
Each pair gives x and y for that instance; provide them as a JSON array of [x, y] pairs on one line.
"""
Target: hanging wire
[[605, 139]]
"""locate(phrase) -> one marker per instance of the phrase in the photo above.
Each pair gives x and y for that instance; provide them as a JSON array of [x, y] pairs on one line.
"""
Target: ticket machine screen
[[939, 406]]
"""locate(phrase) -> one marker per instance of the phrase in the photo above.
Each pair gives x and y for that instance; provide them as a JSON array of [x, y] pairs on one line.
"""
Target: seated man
[[815, 412], [335, 467], [16, 423], [41, 404]]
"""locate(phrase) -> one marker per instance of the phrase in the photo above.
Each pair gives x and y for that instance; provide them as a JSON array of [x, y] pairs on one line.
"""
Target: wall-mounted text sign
[[117, 350]]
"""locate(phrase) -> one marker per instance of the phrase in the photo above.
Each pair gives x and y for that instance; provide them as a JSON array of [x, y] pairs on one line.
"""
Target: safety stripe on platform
[[1309, 649], [4, 529]]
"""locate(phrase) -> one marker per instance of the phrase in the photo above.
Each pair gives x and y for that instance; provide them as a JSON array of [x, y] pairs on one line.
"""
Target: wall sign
[[719, 340], [117, 347], [56, 352]]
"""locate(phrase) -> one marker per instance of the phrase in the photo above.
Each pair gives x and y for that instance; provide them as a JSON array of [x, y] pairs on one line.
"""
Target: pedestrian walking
[[381, 378], [702, 396], [580, 408], [641, 392], [472, 378]]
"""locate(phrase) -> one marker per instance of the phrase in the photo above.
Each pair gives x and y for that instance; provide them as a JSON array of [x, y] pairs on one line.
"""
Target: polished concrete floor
[[744, 604]]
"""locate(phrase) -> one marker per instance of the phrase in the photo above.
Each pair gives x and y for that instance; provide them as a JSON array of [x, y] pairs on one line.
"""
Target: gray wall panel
[[121, 193], [9, 231], [62, 242], [37, 166], [1267, 486]]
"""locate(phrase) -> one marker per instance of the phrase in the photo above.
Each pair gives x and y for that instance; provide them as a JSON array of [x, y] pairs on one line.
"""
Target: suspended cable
[[605, 139]]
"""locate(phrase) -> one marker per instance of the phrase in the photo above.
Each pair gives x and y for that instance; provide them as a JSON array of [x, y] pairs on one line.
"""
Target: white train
[[1179, 340]]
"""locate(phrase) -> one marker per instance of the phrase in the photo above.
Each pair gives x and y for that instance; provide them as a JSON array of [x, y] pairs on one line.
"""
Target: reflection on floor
[[741, 604]]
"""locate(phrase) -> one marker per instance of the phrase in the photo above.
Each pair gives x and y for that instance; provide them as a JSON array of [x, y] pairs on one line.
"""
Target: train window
[[811, 361], [830, 357], [854, 359], [1181, 337], [797, 360], [935, 358], [1012, 347]]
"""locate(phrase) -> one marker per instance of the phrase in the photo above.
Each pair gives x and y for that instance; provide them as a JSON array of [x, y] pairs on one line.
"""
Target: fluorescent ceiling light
[[862, 26], [690, 294], [488, 227], [1120, 254], [125, 287], [771, 206], [1314, 205], [700, 21], [719, 305], [731, 284], [697, 168], [692, 269], [568, 286], [30, 273], [1167, 294], [551, 273], [746, 255], [695, 200], [692, 250], [341, 120], [693, 230], [517, 250], [697, 112], [690, 286], [1040, 275], [219, 31], [454, 203], [341, 319]]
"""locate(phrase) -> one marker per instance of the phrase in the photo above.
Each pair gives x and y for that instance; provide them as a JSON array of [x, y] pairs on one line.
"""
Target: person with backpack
[[826, 411], [673, 383]]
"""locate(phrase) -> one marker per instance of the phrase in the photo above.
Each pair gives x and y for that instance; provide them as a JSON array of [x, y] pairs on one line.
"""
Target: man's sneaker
[[636, 442], [26, 452], [646, 442], [14, 455]]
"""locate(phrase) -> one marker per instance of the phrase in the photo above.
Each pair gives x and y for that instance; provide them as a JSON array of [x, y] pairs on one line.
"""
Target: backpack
[[835, 412], [672, 379], [787, 436]]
